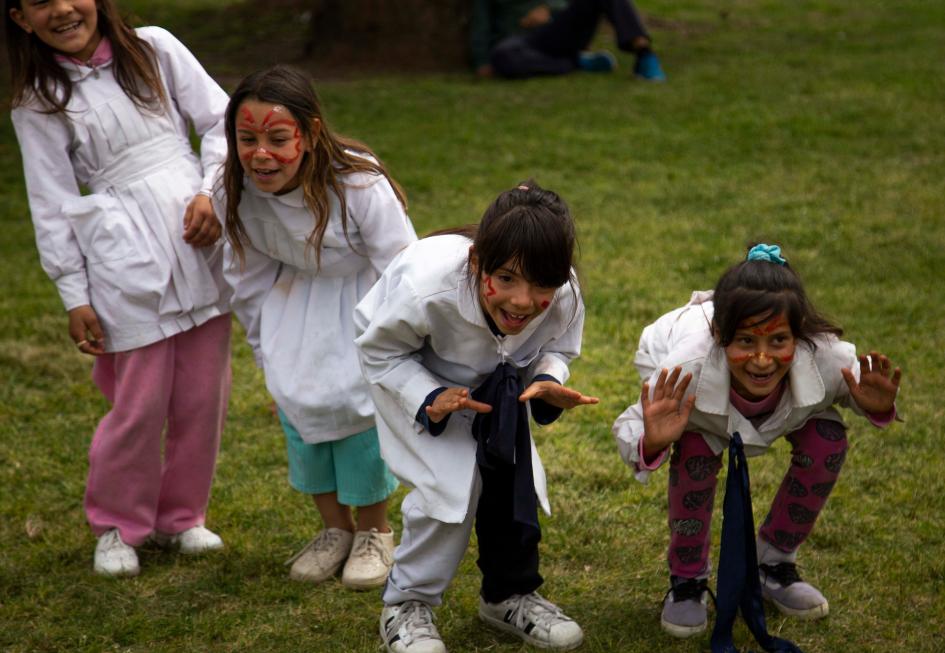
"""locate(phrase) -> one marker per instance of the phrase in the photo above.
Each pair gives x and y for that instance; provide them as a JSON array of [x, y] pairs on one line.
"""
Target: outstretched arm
[[878, 386]]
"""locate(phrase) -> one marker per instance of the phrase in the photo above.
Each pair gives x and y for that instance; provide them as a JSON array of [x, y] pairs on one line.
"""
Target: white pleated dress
[[299, 316], [120, 247]]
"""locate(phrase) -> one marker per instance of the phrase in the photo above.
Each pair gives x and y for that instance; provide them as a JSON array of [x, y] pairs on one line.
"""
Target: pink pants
[[182, 383], [819, 449]]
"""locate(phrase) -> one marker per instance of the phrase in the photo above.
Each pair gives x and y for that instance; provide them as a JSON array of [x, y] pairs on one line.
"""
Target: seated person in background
[[524, 38]]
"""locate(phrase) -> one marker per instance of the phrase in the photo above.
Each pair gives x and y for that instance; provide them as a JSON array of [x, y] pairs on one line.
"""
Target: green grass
[[814, 124]]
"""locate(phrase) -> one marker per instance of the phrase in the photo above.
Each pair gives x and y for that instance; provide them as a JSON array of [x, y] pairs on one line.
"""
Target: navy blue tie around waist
[[503, 438], [739, 585]]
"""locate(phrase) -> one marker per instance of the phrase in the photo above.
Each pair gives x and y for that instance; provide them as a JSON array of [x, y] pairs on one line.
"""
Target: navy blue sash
[[738, 584], [503, 438]]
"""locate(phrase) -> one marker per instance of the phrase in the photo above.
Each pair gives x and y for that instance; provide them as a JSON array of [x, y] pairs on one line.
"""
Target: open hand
[[201, 227], [451, 400], [876, 392], [85, 330], [665, 415], [556, 395]]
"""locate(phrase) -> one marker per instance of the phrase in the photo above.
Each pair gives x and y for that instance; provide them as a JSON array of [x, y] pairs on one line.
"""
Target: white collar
[[294, 198]]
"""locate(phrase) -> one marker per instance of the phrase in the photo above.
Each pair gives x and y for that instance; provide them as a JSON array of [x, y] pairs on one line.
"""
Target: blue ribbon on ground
[[503, 438], [738, 585]]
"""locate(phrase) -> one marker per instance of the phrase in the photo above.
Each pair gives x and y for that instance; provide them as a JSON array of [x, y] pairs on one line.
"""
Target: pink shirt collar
[[750, 408], [102, 55]]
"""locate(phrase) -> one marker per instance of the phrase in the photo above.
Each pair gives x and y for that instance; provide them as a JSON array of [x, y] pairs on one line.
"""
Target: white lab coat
[[297, 316], [120, 248], [422, 327], [682, 338]]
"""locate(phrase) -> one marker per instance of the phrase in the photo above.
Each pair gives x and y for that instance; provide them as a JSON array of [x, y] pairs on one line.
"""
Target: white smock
[[297, 315], [120, 248], [422, 327], [682, 338]]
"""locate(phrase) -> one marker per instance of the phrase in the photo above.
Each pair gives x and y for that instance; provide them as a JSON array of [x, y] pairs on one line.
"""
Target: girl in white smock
[[752, 357], [465, 334], [312, 220], [100, 106]]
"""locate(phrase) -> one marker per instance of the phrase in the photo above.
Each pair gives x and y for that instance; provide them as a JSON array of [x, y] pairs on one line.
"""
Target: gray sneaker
[[782, 585], [684, 608]]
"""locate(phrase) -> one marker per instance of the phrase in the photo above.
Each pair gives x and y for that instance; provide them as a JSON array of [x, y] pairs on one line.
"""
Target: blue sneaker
[[648, 67], [600, 61]]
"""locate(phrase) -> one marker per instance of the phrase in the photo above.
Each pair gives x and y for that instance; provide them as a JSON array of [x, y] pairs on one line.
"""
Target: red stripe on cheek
[[545, 304], [740, 359], [491, 289], [786, 359]]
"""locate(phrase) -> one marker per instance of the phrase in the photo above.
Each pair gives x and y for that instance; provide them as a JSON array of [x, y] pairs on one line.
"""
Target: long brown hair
[[323, 164], [34, 70]]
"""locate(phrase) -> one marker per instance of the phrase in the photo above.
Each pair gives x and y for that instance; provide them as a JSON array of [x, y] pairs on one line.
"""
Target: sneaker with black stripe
[[535, 619], [408, 628]]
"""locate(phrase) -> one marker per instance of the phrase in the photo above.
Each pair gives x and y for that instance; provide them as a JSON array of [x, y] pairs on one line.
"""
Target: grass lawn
[[814, 124]]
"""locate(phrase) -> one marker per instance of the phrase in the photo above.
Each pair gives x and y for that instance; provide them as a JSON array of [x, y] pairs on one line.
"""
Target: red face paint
[[786, 359], [545, 304], [741, 358], [291, 151], [491, 291]]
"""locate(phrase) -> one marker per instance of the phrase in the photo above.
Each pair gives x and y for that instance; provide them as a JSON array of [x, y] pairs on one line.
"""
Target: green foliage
[[813, 124]]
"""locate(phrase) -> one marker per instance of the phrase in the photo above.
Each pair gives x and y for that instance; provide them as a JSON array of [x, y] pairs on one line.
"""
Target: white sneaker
[[370, 560], [535, 619], [115, 558], [321, 558], [408, 628], [193, 541]]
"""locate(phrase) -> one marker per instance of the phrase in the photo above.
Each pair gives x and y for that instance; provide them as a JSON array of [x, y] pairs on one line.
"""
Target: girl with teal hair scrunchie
[[738, 368]]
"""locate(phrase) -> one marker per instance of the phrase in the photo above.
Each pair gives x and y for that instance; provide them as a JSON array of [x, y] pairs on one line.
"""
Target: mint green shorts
[[352, 467]]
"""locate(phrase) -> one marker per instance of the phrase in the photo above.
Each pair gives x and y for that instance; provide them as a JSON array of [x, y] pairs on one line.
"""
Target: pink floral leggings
[[819, 449]]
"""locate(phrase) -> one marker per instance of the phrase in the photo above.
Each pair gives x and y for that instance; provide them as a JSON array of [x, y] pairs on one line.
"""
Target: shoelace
[[372, 546], [785, 573], [112, 540], [690, 589], [418, 619], [536, 609], [321, 542]]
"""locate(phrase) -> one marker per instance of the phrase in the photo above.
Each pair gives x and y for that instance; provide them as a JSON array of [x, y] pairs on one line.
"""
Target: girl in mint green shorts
[[312, 219]]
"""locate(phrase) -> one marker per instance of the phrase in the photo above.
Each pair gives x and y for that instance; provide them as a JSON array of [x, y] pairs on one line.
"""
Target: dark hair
[[34, 70], [530, 226], [328, 157], [764, 289]]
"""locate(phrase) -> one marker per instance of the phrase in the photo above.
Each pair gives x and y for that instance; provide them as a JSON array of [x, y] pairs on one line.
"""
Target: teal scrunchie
[[769, 253]]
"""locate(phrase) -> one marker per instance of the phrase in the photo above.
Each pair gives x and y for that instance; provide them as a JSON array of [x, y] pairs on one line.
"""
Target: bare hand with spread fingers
[[665, 415], [879, 383]]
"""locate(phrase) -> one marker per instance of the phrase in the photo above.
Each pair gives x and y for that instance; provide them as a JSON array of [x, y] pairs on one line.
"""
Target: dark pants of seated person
[[553, 48]]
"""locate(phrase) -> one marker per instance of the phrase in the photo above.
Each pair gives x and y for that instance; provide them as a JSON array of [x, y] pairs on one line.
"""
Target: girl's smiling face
[[68, 26], [760, 355], [270, 145], [511, 300]]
